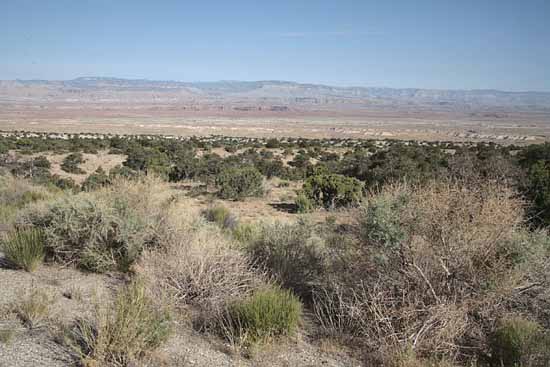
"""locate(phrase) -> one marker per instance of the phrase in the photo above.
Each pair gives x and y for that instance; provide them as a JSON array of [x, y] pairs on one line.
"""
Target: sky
[[443, 44]]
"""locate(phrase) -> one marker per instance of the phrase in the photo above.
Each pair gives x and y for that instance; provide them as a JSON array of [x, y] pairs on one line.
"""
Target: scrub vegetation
[[398, 253]]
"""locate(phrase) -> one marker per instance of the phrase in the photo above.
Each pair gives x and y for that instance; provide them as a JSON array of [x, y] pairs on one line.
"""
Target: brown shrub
[[433, 268], [199, 266]]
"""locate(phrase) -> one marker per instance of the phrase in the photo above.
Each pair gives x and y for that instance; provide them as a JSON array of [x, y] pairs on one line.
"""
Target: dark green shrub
[[147, 160], [37, 169], [122, 172], [272, 143], [96, 180], [333, 190], [64, 183], [71, 163], [519, 342], [41, 162], [238, 183], [24, 248], [267, 313], [303, 204], [231, 149], [538, 192]]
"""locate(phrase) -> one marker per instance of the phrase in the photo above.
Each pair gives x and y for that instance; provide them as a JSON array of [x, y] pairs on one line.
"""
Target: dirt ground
[[520, 128], [73, 294]]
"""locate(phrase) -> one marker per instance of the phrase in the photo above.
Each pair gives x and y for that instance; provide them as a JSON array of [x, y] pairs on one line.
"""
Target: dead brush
[[33, 307], [199, 266], [432, 271]]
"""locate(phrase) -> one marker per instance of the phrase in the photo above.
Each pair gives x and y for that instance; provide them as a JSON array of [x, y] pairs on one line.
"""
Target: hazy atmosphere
[[469, 44]]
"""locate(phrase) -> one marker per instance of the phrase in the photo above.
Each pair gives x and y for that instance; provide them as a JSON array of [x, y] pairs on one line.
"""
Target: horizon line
[[319, 84]]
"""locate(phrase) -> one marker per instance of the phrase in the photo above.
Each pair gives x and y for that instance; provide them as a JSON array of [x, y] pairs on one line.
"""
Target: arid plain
[[278, 109]]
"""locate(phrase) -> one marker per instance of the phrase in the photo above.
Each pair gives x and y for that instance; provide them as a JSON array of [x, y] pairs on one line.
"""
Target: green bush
[[379, 222], [220, 215], [122, 172], [96, 180], [147, 160], [24, 248], [293, 254], [93, 233], [238, 183], [333, 190], [246, 232], [122, 335], [519, 342], [303, 204], [265, 314], [71, 163], [272, 143]]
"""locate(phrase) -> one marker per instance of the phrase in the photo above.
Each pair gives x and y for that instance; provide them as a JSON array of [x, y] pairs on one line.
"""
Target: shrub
[[64, 183], [519, 342], [100, 231], [71, 163], [16, 193], [537, 191], [272, 143], [284, 183], [292, 253], [435, 255], [33, 308], [332, 190], [303, 204], [198, 265], [238, 183], [220, 215], [41, 162], [246, 232], [147, 160], [96, 180], [24, 248], [265, 314], [122, 172], [121, 335], [379, 224], [37, 169]]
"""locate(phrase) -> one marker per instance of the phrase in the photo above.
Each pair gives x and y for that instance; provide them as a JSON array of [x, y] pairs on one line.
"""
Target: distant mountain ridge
[[286, 91]]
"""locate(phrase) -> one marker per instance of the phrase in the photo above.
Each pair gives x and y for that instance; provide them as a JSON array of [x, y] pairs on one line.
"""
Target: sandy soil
[[508, 128]]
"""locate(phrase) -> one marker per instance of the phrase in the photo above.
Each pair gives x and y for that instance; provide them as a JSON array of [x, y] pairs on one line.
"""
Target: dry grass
[[198, 265], [123, 333], [33, 308], [16, 193], [7, 335]]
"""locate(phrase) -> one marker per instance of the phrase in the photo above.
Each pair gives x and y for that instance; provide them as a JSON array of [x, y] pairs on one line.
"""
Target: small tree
[[237, 183], [272, 143], [333, 190]]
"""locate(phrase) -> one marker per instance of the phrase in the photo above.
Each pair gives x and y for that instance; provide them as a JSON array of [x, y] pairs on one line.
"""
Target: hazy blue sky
[[502, 44]]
